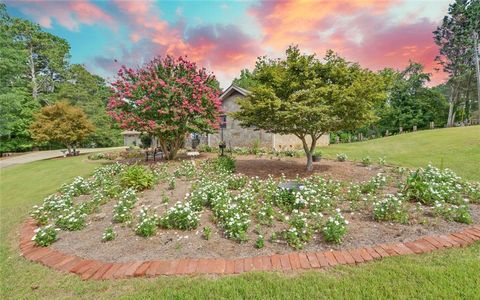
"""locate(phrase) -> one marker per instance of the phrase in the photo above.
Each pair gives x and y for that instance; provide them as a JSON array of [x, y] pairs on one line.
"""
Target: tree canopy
[[62, 123], [167, 98], [34, 72], [455, 38], [306, 97]]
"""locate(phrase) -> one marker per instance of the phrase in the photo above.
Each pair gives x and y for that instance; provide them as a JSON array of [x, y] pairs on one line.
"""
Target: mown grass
[[449, 274], [455, 148]]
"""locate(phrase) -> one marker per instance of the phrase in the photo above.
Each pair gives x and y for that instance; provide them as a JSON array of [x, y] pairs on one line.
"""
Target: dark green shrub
[[137, 177], [225, 163]]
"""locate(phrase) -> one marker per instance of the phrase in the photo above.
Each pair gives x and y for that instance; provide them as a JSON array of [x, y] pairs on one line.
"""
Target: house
[[132, 138], [236, 136]]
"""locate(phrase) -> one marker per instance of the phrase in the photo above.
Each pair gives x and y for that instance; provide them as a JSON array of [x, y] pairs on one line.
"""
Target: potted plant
[[316, 156]]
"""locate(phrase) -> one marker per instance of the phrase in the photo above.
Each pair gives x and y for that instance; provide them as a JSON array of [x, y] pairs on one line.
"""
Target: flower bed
[[211, 212]]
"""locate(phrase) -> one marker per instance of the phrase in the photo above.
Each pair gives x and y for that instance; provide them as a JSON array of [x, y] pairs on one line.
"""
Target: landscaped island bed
[[204, 209]]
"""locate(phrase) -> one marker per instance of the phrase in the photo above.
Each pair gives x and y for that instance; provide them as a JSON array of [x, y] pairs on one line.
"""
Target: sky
[[227, 36]]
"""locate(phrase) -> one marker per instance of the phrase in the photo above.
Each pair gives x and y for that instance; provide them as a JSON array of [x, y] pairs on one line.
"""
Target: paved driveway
[[39, 155]]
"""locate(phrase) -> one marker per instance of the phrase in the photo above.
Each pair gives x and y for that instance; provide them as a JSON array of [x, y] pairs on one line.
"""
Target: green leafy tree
[[246, 80], [90, 92], [410, 102], [61, 123], [308, 98], [455, 40]]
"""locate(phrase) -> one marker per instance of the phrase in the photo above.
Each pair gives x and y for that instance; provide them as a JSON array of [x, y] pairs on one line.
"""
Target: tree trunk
[[452, 101], [450, 114], [69, 149], [309, 150], [33, 75], [309, 162]]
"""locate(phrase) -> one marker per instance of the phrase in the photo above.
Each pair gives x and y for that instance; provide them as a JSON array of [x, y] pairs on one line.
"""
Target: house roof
[[233, 89], [130, 132]]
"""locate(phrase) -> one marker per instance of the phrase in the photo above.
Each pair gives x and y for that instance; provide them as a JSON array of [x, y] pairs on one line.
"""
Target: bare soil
[[362, 230]]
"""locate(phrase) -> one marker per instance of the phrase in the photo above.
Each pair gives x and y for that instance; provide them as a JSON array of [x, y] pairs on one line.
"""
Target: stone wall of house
[[290, 141], [236, 136], [131, 140]]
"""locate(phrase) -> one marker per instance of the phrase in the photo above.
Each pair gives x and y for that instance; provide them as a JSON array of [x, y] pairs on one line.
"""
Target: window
[[223, 121]]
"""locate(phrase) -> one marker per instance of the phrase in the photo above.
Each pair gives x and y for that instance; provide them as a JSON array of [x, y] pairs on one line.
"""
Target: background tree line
[[410, 100], [35, 72]]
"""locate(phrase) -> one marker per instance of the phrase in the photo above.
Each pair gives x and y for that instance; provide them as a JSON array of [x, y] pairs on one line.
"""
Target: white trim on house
[[231, 89]]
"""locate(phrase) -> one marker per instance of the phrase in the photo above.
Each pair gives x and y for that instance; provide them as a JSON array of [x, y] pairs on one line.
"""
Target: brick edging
[[99, 270]]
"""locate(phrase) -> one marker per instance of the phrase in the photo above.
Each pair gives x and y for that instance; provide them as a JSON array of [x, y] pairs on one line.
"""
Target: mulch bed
[[177, 244]]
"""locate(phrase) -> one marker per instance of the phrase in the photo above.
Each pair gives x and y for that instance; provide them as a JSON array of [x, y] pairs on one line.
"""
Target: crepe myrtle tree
[[308, 98], [166, 98]]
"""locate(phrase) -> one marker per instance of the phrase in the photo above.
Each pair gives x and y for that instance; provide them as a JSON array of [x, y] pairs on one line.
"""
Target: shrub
[[225, 163], [375, 183], [40, 215], [172, 183], [457, 213], [126, 201], [366, 161], [147, 222], [71, 219], [342, 157], [109, 234], [186, 169], [335, 228], [382, 161], [45, 236], [299, 231], [96, 156], [207, 232], [180, 216], [431, 184], [260, 243], [79, 186], [265, 214], [236, 182], [392, 208], [317, 152], [137, 177]]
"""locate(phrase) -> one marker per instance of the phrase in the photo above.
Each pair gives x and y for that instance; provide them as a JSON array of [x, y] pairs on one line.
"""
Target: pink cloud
[[224, 49], [69, 14], [359, 30]]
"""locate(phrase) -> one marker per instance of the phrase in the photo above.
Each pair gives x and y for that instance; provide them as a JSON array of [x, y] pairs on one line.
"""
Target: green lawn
[[448, 274], [455, 148]]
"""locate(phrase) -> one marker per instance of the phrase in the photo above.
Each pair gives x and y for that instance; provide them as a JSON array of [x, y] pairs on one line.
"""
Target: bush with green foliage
[[432, 184], [147, 222], [207, 232], [45, 236], [335, 228], [180, 216], [451, 212], [366, 161], [137, 177], [225, 163], [342, 157], [299, 232], [391, 208], [109, 234]]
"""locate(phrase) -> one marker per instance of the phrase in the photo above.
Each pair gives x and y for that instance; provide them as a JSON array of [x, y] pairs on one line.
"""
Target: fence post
[[401, 129], [432, 125], [414, 127]]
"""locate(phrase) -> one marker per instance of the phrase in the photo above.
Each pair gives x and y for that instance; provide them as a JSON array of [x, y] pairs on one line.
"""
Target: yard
[[446, 273]]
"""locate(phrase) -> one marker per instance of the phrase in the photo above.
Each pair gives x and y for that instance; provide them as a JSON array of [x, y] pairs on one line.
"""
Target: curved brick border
[[95, 269]]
